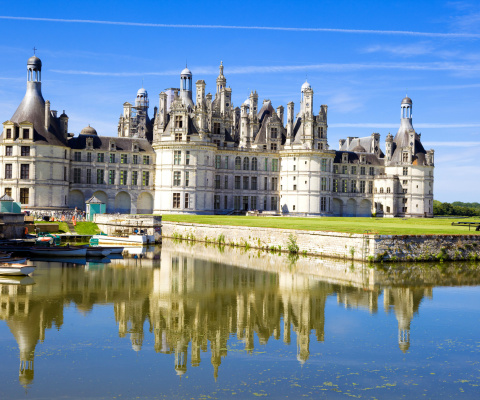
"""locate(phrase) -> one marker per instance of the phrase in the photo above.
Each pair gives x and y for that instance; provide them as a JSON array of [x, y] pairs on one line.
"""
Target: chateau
[[209, 157]]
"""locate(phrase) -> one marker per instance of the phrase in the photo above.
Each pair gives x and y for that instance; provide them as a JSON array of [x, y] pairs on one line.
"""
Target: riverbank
[[368, 247]]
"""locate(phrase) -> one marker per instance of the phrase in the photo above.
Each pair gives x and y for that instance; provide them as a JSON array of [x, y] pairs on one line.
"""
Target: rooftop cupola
[[34, 69], [221, 80], [142, 98], [406, 108], [186, 87]]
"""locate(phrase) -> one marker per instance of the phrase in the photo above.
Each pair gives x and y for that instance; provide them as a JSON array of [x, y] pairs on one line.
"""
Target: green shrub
[[292, 244]]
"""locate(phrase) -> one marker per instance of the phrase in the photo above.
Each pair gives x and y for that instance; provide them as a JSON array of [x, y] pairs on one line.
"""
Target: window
[[274, 183], [177, 157], [335, 185], [145, 178], [8, 191], [405, 171], [265, 183], [323, 204], [25, 151], [273, 133], [112, 158], [216, 202], [178, 122], [77, 156], [245, 183], [323, 184], [100, 176], [237, 182], [294, 187], [146, 160], [187, 178], [217, 182], [178, 137], [404, 209], [273, 146], [77, 175], [246, 164], [362, 186], [405, 157], [266, 164], [89, 157], [8, 171], [226, 183], [265, 203], [362, 170], [381, 190], [254, 164], [218, 162], [370, 187], [101, 157], [8, 150], [404, 190], [176, 200], [405, 182], [216, 128], [238, 163], [254, 183], [275, 165], [273, 203], [123, 159], [354, 170], [123, 177], [353, 186], [176, 178], [216, 142], [371, 171], [187, 157], [324, 165], [9, 133], [253, 203], [225, 202], [25, 133], [24, 171], [111, 177], [388, 189], [226, 162], [134, 178], [24, 195], [187, 200], [89, 175], [344, 169], [335, 169], [135, 159], [236, 202]]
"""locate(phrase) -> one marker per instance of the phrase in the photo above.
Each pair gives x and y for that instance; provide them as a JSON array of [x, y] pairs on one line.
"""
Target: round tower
[[406, 108], [142, 99]]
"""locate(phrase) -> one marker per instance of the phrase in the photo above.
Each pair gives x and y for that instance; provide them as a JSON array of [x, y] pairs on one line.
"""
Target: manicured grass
[[87, 228], [383, 226]]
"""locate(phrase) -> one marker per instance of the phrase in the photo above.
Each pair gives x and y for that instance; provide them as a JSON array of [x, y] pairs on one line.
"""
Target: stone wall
[[12, 225], [374, 248], [126, 224]]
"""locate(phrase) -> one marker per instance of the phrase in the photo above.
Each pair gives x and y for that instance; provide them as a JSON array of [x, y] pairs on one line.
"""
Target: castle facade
[[209, 157]]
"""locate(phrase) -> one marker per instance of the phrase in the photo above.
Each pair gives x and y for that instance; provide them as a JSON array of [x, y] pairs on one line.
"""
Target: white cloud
[[405, 50], [458, 35]]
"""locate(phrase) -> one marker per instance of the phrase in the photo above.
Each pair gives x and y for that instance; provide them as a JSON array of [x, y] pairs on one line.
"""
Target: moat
[[193, 321]]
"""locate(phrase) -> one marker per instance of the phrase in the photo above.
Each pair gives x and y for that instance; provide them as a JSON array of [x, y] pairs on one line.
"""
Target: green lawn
[[384, 226], [86, 228]]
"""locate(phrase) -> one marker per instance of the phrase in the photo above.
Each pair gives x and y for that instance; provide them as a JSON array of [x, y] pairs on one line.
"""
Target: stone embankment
[[369, 247]]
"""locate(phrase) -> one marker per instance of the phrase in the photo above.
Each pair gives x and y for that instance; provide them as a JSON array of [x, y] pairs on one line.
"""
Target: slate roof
[[103, 143], [354, 158]]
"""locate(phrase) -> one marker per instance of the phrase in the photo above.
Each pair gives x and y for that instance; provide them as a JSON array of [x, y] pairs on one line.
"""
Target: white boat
[[16, 269], [130, 240], [63, 251], [16, 260]]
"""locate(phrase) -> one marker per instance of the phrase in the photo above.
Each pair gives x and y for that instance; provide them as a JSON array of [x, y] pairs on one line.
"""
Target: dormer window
[[9, 133], [405, 157], [362, 159], [320, 132], [89, 143], [178, 121], [25, 133], [273, 133], [112, 147], [344, 157]]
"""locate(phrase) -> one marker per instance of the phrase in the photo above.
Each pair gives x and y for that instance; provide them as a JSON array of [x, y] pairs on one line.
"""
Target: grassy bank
[[87, 228], [383, 226]]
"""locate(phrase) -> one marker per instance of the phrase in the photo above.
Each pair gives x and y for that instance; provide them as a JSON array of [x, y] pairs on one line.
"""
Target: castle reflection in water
[[199, 301]]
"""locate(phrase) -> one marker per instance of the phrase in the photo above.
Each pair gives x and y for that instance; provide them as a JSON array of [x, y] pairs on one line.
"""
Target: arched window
[[381, 190], [254, 164], [388, 190], [238, 163], [246, 164]]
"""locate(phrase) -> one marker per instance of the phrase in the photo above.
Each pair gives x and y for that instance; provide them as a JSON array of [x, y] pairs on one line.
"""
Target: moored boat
[[130, 240], [60, 251], [16, 269]]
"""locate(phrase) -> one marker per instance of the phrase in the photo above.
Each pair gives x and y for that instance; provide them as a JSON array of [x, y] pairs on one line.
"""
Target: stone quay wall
[[12, 225], [372, 248], [126, 224]]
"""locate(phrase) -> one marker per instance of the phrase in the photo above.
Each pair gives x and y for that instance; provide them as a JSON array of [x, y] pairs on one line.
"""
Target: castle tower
[[186, 87]]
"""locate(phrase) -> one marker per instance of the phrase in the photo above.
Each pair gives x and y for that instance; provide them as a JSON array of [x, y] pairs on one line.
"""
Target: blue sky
[[361, 58]]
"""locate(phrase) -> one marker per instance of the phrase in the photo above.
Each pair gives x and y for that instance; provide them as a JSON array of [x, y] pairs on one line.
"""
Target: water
[[189, 321]]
